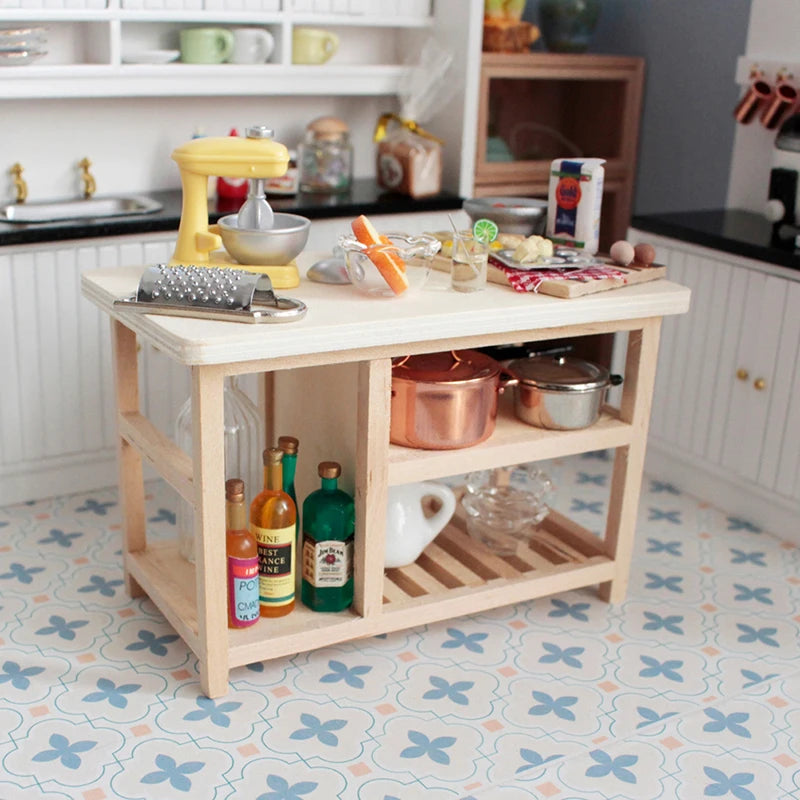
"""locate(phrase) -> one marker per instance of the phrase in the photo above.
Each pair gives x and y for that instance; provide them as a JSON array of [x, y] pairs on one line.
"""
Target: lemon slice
[[485, 230]]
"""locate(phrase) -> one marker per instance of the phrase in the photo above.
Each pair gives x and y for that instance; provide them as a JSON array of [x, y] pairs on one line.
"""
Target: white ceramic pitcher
[[408, 530]]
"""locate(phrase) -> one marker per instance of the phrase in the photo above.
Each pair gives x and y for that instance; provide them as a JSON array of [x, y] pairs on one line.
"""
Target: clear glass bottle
[[244, 442], [273, 521], [328, 534], [326, 157]]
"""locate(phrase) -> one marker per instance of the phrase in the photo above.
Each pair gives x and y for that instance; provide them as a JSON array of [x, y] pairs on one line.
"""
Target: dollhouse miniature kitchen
[[153, 133]]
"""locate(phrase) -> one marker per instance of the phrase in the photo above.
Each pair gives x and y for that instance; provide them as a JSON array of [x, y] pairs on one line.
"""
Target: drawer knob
[[742, 374], [760, 384]]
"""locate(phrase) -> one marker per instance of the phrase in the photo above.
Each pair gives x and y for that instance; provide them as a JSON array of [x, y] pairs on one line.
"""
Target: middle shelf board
[[513, 442]]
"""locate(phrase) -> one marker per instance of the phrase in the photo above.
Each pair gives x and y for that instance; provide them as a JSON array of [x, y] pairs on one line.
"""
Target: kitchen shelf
[[86, 49], [195, 80], [337, 365], [542, 106]]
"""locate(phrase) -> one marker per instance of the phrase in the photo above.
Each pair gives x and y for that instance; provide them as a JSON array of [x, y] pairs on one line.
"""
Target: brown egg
[[622, 253], [644, 254]]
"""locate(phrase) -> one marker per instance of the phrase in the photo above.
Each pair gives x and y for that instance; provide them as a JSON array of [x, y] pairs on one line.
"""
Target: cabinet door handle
[[742, 374], [760, 384]]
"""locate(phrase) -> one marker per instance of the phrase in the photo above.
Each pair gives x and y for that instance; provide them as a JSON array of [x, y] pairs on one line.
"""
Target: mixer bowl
[[273, 247]]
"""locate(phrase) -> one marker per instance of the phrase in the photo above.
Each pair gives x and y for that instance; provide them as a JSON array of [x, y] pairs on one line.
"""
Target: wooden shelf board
[[513, 442], [172, 463], [454, 576]]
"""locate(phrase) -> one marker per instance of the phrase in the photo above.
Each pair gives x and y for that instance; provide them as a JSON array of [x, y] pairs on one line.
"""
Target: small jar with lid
[[326, 157]]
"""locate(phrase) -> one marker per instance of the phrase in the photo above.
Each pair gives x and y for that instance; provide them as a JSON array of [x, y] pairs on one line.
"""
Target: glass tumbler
[[470, 263]]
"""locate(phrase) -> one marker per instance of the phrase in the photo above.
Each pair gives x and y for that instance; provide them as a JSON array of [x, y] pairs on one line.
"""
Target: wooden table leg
[[372, 473], [131, 477], [208, 448], [626, 481]]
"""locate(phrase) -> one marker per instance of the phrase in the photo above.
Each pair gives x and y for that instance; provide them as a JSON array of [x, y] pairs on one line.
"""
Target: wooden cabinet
[[726, 421], [346, 332], [535, 107]]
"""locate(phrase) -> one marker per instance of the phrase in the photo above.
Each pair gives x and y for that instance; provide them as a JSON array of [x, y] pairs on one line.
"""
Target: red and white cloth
[[531, 280]]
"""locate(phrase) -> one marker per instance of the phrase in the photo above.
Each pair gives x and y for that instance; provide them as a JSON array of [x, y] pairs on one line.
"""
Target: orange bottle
[[273, 523], [242, 559]]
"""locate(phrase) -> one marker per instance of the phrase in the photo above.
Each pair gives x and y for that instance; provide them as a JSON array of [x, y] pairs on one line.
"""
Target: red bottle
[[232, 188], [241, 558]]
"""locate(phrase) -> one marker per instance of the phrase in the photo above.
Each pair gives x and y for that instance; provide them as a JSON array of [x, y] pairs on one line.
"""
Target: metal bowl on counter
[[559, 392], [525, 215], [445, 401], [274, 246]]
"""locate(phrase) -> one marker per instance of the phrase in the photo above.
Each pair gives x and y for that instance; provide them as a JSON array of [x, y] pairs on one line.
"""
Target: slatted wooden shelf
[[457, 561]]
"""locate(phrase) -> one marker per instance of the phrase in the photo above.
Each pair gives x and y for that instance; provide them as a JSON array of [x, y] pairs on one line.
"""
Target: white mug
[[251, 46]]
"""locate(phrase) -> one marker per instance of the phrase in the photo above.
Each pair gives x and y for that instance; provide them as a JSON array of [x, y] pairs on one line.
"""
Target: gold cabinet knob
[[760, 384], [742, 374]]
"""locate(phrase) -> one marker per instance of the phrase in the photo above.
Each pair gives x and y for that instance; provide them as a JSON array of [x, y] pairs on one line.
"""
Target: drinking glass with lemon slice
[[471, 256]]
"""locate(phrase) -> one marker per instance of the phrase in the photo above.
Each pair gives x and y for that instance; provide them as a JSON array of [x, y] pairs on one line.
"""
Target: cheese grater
[[211, 293]]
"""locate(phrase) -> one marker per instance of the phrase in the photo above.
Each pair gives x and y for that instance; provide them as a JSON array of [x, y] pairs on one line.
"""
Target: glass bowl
[[503, 517], [416, 252]]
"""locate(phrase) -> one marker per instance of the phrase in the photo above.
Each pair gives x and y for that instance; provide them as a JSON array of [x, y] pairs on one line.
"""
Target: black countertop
[[742, 233], [365, 197]]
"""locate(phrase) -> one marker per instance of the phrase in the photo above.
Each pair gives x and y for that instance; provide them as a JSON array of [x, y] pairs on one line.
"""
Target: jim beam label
[[275, 565], [327, 564]]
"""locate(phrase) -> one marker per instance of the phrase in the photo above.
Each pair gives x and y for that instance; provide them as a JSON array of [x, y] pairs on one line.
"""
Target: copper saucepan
[[444, 401]]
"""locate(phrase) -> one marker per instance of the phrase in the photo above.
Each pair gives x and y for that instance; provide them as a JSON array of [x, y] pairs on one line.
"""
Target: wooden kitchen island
[[336, 398]]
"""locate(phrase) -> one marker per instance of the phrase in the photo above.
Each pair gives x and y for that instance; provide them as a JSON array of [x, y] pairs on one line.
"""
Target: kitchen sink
[[90, 208]]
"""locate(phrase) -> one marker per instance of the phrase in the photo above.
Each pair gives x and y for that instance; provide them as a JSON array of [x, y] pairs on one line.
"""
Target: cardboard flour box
[[573, 204]]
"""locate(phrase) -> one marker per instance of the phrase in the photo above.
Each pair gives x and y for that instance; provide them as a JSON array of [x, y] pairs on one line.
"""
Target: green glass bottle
[[328, 531], [290, 446]]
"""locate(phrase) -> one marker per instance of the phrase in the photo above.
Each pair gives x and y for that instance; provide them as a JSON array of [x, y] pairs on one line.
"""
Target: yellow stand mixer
[[271, 250]]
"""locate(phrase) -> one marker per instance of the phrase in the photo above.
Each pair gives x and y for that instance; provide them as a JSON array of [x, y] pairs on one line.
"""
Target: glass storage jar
[[244, 444], [326, 157]]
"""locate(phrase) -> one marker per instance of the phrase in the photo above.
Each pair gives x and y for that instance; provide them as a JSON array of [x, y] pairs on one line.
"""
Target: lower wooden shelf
[[454, 576]]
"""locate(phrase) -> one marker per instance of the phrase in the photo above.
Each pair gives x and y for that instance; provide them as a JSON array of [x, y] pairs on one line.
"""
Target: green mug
[[313, 45], [206, 45]]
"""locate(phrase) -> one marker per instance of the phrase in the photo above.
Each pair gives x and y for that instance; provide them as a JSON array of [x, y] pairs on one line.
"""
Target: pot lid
[[448, 367], [559, 373]]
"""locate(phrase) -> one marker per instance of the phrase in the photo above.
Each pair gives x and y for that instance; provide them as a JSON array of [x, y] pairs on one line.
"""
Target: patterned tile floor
[[688, 689]]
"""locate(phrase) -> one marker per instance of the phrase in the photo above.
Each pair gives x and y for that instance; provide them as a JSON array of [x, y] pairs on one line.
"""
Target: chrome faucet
[[87, 179], [20, 186]]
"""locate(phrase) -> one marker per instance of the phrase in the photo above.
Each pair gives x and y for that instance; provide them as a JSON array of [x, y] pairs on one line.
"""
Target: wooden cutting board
[[573, 288]]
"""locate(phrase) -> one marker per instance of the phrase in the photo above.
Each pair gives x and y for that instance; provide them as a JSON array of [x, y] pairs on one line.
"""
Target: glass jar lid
[[327, 129]]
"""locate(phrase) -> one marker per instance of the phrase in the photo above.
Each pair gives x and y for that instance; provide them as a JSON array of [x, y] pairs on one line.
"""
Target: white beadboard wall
[[56, 405], [711, 433]]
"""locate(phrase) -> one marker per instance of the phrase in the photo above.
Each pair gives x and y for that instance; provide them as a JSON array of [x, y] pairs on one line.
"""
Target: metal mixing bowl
[[274, 247], [525, 215]]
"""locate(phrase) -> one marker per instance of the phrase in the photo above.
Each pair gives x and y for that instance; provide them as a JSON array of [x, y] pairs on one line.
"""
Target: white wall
[[128, 140], [773, 35]]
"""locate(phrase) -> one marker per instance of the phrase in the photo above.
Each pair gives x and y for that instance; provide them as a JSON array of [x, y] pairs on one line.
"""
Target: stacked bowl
[[22, 44]]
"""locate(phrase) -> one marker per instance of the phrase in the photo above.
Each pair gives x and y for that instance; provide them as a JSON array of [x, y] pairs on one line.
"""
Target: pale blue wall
[[687, 128]]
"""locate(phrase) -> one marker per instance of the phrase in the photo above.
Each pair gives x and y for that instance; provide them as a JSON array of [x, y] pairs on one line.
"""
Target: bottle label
[[243, 591], [275, 564], [327, 564]]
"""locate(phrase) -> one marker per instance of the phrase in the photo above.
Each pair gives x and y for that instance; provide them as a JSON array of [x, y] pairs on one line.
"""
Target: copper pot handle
[[511, 380]]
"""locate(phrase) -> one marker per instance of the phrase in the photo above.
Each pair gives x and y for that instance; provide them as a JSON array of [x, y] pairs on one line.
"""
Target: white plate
[[16, 58], [151, 57]]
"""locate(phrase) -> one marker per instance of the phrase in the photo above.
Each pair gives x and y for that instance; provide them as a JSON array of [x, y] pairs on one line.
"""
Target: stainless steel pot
[[559, 392], [444, 401]]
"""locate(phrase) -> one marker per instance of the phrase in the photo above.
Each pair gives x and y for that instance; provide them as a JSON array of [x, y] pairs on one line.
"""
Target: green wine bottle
[[328, 531], [290, 446]]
